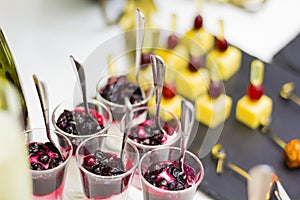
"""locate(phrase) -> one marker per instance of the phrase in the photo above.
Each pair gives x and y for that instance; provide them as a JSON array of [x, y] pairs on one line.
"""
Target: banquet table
[[43, 34]]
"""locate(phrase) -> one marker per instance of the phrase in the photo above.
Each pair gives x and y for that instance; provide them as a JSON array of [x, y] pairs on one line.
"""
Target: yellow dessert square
[[192, 84], [229, 61], [172, 105], [212, 112], [253, 113], [204, 39]]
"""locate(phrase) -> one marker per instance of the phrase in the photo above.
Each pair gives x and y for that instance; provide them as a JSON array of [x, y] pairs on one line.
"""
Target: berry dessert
[[229, 57], [169, 101], [214, 107], [168, 176], [292, 154], [194, 80], [107, 164], [255, 108], [45, 156], [145, 134], [199, 36], [78, 122], [115, 91]]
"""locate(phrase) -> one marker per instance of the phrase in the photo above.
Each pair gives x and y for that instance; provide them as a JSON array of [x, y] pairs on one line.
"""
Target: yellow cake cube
[[253, 113], [201, 37], [228, 62], [213, 112], [172, 105], [192, 84], [177, 58]]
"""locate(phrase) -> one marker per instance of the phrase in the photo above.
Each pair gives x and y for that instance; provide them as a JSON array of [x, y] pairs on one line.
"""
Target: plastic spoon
[[140, 31], [81, 75], [43, 97], [187, 121], [287, 92], [158, 70]]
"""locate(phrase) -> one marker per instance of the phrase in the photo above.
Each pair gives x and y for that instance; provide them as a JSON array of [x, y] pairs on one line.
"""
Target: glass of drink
[[106, 173], [146, 136], [162, 177], [48, 164]]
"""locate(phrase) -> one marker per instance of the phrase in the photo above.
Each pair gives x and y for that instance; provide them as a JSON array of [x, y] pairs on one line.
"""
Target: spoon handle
[[158, 70], [140, 30], [82, 79], [43, 97], [295, 99], [187, 120], [126, 125]]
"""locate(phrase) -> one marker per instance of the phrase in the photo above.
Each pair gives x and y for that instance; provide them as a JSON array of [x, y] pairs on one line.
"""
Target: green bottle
[[9, 72]]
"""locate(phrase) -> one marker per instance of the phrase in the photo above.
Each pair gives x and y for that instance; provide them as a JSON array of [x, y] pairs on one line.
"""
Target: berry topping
[[169, 90], [120, 88], [215, 89], [172, 41], [77, 122], [103, 163], [195, 63], [292, 154], [145, 134], [255, 92], [43, 156], [168, 176], [221, 44], [198, 22]]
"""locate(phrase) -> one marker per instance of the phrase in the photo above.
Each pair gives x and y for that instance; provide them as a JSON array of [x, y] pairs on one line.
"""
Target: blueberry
[[54, 163], [44, 158], [36, 166]]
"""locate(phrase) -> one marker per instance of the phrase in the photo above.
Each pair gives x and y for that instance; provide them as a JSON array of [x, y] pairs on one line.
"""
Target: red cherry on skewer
[[198, 22], [169, 90], [255, 92], [172, 41], [196, 62], [221, 44]]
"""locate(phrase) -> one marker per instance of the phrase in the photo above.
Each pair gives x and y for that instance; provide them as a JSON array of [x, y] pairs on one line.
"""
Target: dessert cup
[[49, 184], [109, 186], [118, 108], [70, 105], [193, 169], [169, 140]]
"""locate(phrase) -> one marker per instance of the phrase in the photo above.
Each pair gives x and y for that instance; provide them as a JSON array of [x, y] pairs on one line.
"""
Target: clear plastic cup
[[70, 105], [107, 187], [49, 184], [193, 169], [117, 107], [172, 139]]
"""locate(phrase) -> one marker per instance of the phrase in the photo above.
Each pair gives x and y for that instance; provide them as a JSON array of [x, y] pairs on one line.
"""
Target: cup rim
[[143, 102], [66, 161], [130, 171], [170, 191], [178, 134], [91, 100]]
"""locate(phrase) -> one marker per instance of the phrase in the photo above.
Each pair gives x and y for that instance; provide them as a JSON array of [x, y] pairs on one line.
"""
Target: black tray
[[289, 57], [247, 148]]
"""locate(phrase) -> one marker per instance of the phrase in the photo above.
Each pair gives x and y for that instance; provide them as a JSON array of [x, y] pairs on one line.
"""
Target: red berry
[[89, 161], [169, 90], [196, 62], [215, 89], [172, 41], [221, 44], [198, 22], [255, 92]]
